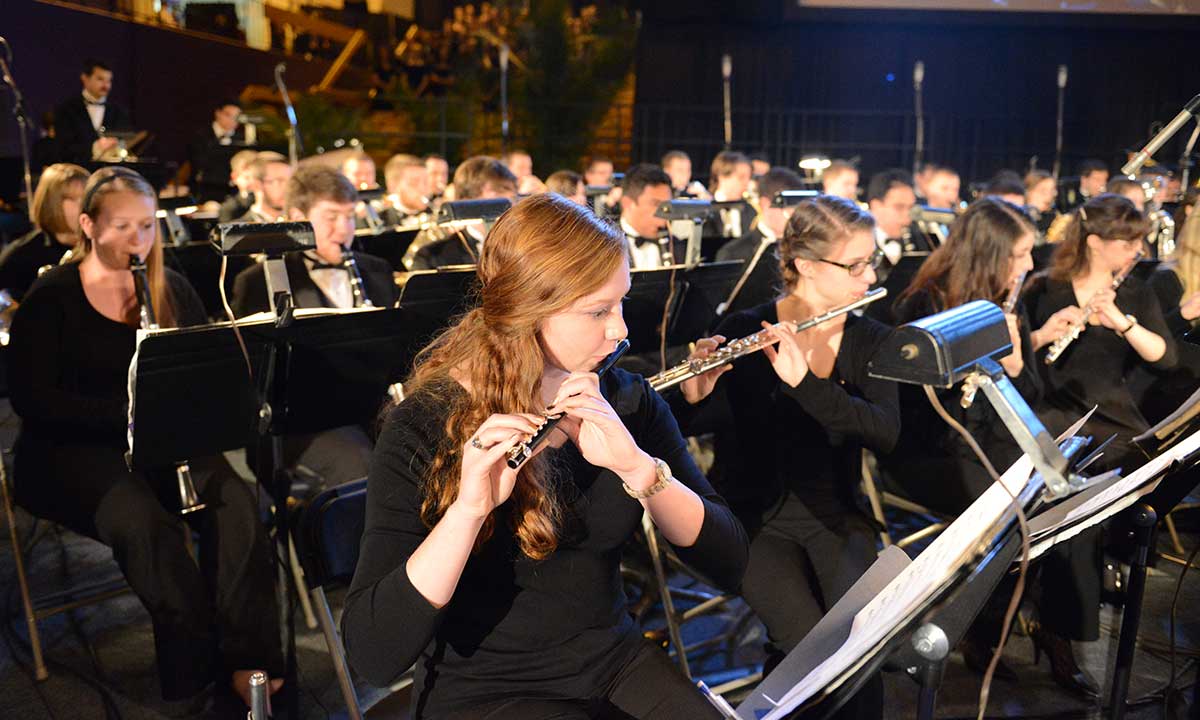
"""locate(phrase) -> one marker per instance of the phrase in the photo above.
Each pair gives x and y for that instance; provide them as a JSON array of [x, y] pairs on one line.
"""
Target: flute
[[735, 349], [521, 453], [1076, 329], [1014, 294]]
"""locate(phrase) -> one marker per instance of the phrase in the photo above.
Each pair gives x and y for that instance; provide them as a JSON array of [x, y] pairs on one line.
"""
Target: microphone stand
[[18, 112], [1132, 167], [295, 148], [726, 79], [1185, 160], [1058, 138], [919, 145], [504, 97]]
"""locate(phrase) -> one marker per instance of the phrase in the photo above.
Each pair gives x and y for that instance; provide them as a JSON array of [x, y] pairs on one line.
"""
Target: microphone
[[280, 68], [918, 73], [726, 66], [1187, 113], [1062, 76]]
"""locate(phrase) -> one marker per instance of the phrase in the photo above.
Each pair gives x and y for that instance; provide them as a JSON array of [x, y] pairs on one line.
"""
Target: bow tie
[[318, 264], [94, 102]]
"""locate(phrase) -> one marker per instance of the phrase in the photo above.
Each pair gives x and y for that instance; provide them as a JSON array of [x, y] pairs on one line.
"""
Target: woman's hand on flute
[[598, 432], [697, 388], [486, 481]]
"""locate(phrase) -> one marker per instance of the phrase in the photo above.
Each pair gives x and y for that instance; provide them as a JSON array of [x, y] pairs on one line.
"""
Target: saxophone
[[1072, 334], [752, 343]]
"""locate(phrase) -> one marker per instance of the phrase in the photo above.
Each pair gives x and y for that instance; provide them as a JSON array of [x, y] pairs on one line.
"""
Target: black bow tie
[[318, 264], [94, 102]]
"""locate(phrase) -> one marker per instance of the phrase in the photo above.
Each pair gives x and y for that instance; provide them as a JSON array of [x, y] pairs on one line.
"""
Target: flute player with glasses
[[72, 342], [791, 423]]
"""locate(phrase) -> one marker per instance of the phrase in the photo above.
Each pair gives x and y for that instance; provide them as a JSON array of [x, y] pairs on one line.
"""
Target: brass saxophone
[[1072, 334], [735, 349], [357, 289]]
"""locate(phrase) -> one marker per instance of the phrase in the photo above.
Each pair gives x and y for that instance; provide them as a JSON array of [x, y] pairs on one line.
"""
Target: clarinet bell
[[189, 501]]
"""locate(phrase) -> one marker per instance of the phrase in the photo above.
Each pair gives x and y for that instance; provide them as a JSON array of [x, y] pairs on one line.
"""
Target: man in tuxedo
[[943, 188], [324, 197], [439, 175], [729, 180], [480, 177], [407, 181], [80, 121], [211, 150], [840, 179], [890, 198], [678, 166], [270, 173], [757, 248], [644, 189]]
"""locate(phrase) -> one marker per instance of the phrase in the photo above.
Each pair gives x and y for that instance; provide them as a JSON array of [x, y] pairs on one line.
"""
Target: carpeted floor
[[101, 657]]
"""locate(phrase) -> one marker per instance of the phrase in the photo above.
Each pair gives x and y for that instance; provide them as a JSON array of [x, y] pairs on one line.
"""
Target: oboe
[[357, 289], [735, 349], [1072, 334]]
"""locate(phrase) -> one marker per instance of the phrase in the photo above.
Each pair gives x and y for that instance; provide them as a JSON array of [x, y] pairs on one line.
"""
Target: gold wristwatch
[[665, 478]]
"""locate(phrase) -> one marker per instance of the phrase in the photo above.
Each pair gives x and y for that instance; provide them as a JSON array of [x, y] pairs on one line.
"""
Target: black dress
[[764, 281], [932, 462], [516, 629], [68, 369], [20, 261], [790, 462]]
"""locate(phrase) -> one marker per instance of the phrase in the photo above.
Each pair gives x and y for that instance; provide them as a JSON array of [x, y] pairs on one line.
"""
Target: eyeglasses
[[858, 268]]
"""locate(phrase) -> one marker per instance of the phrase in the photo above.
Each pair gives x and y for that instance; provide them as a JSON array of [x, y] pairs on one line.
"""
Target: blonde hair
[[46, 210], [541, 257], [105, 183], [1187, 253]]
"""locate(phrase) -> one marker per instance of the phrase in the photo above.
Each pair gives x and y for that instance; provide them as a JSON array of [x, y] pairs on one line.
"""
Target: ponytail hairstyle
[[542, 256], [975, 261], [1187, 249], [1109, 217], [816, 226], [103, 184]]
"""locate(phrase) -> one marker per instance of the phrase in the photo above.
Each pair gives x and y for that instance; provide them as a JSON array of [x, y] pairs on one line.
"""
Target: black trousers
[[650, 687], [209, 619]]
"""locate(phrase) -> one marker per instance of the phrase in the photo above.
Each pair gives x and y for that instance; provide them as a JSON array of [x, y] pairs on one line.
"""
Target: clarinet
[[1072, 334], [752, 343], [141, 289], [356, 281]]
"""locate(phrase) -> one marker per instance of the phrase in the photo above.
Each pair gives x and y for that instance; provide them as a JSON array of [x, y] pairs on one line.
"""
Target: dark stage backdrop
[[839, 82]]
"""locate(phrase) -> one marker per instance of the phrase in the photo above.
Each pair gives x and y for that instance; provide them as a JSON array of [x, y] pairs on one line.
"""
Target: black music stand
[[390, 244], [202, 267], [314, 372], [913, 638], [692, 311], [155, 173]]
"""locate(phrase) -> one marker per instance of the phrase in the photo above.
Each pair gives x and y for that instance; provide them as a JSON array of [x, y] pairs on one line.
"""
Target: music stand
[[389, 244], [702, 291], [317, 371]]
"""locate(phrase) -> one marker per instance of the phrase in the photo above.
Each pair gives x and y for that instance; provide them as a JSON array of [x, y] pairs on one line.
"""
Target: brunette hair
[[476, 172], [543, 255], [1108, 216], [313, 183], [105, 183], [46, 210], [974, 262], [816, 225]]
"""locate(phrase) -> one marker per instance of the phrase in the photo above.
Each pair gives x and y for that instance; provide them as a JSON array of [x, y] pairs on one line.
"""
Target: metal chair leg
[[872, 492], [665, 593], [310, 620], [337, 654], [35, 639]]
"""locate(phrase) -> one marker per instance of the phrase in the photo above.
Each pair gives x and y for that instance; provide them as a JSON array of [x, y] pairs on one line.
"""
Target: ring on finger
[[476, 444]]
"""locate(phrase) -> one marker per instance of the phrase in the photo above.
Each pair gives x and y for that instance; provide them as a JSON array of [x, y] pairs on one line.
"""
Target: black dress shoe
[[1063, 667], [977, 655]]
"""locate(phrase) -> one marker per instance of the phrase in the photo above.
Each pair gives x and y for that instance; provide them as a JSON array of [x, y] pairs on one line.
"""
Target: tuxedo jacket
[[250, 286], [764, 280], [74, 132], [457, 248]]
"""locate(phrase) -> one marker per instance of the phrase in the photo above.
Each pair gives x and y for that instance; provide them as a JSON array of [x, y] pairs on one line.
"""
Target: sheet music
[[1108, 500], [934, 567]]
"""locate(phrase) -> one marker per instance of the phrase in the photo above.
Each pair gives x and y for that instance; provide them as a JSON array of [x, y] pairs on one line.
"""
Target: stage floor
[[101, 658]]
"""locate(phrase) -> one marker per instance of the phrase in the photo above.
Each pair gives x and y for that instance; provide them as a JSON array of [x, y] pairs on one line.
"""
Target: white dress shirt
[[333, 281]]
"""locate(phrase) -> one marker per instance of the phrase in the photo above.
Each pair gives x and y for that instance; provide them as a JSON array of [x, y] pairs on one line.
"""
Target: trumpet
[[357, 289], [1072, 334], [750, 344], [189, 500]]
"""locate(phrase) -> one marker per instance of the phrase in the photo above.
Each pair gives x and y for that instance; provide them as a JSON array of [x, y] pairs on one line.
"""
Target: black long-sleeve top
[[924, 434], [773, 439], [68, 365], [1092, 371], [1168, 288], [21, 260], [555, 628]]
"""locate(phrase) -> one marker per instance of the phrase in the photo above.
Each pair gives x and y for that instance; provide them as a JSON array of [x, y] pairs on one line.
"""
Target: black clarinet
[[357, 289], [141, 287]]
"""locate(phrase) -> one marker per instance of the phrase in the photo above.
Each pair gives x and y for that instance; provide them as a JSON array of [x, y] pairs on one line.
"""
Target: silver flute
[[1076, 329], [735, 349], [1014, 294], [357, 289]]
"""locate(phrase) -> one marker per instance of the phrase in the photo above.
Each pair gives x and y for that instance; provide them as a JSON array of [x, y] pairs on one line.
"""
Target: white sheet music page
[[914, 586]]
